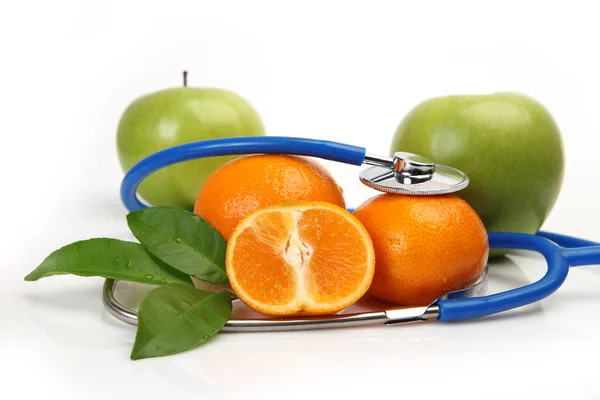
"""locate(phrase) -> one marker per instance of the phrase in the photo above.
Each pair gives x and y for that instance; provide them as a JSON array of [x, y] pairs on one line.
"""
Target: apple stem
[[184, 78]]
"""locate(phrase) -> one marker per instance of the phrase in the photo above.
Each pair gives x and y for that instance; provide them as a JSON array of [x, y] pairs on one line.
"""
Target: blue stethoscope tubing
[[560, 251]]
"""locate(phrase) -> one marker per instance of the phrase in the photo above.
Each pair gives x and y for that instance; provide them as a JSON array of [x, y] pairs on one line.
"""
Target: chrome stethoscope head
[[411, 174]]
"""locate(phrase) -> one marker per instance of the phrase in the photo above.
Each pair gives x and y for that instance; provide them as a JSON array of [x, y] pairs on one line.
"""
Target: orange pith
[[245, 184], [425, 246], [304, 258]]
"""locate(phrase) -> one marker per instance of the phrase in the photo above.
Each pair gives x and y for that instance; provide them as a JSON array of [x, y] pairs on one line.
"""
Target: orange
[[305, 258], [425, 246], [245, 184]]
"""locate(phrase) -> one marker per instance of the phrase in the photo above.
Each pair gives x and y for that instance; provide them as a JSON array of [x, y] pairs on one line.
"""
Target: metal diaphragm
[[411, 174]]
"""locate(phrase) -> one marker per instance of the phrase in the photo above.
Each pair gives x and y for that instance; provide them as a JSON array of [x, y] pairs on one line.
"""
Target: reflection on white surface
[[77, 322], [71, 317], [89, 343]]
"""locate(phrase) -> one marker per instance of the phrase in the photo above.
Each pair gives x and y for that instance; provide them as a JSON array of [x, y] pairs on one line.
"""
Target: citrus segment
[[267, 277], [304, 258]]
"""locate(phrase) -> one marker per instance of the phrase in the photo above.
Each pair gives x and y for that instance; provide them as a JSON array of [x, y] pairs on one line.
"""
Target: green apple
[[180, 115], [509, 146]]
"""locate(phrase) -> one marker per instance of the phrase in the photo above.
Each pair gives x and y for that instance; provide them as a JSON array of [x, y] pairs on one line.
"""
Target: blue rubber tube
[[577, 251], [558, 268], [567, 241], [232, 146]]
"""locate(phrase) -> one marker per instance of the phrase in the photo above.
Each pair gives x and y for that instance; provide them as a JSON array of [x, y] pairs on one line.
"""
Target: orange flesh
[[300, 260], [265, 276], [339, 262]]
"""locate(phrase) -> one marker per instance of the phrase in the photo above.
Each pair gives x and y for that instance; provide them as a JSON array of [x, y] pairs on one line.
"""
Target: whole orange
[[247, 183], [425, 246]]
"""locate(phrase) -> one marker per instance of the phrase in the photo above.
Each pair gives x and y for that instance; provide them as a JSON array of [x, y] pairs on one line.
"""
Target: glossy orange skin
[[425, 246], [247, 183]]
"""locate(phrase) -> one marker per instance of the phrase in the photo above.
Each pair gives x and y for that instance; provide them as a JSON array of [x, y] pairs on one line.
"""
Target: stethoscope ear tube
[[325, 149], [558, 268]]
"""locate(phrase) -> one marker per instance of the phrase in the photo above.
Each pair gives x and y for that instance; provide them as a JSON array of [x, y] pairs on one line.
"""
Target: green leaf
[[108, 258], [175, 318], [183, 240]]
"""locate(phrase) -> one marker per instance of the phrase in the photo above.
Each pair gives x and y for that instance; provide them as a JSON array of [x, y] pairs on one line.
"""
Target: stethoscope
[[405, 173]]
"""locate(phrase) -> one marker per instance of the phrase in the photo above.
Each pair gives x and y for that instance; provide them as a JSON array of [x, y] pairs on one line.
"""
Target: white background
[[345, 71]]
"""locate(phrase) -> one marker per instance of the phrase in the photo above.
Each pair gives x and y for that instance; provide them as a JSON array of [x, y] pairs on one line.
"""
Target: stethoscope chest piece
[[411, 174]]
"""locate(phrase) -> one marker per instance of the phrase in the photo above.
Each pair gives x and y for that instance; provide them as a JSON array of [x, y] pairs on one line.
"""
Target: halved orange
[[305, 258]]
